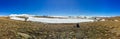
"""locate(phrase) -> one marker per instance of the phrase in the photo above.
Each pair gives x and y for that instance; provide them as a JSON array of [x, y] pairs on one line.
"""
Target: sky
[[61, 7]]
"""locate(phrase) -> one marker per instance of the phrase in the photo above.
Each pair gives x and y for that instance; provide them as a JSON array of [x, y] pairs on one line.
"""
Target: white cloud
[[27, 15]]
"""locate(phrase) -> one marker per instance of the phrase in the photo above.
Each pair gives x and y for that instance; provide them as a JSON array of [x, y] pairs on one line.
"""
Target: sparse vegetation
[[11, 29]]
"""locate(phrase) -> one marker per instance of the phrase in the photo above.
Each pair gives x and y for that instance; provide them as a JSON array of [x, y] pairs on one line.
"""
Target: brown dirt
[[11, 29]]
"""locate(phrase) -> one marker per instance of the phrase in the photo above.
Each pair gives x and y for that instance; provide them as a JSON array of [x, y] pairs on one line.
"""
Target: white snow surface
[[16, 18], [53, 20]]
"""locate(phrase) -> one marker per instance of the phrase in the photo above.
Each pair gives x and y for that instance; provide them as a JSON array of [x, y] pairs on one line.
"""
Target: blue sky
[[61, 7]]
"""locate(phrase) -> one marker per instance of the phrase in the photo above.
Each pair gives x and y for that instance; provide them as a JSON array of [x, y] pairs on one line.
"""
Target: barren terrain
[[11, 29]]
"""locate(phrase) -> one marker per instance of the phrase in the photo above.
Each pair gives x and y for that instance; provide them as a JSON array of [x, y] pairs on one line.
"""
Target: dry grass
[[11, 29]]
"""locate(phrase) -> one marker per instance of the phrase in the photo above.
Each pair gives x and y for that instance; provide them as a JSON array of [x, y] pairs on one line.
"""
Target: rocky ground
[[11, 29]]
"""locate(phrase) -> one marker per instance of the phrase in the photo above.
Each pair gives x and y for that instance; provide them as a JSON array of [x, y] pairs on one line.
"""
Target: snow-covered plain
[[48, 20], [53, 20]]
